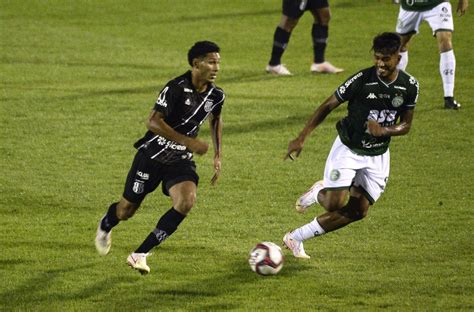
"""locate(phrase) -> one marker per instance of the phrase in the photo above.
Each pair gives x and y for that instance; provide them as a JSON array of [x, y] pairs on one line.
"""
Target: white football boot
[[295, 246], [103, 240], [138, 262], [325, 68], [309, 198], [278, 70]]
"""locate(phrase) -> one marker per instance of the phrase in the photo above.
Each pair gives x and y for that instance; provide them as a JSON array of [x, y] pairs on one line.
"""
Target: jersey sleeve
[[168, 99], [413, 91], [216, 111], [347, 90]]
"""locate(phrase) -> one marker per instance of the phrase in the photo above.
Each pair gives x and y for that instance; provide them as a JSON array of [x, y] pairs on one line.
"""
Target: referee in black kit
[[164, 154]]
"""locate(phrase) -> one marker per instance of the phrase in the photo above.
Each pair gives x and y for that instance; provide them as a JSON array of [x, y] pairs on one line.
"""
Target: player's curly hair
[[200, 49], [387, 43]]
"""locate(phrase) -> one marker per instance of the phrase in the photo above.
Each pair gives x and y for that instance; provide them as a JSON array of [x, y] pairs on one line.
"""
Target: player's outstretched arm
[[215, 123], [157, 125], [295, 146], [402, 128], [462, 7]]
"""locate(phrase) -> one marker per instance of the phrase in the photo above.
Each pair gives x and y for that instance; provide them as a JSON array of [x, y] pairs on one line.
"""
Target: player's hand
[[462, 7], [375, 129], [294, 149], [198, 146], [217, 170]]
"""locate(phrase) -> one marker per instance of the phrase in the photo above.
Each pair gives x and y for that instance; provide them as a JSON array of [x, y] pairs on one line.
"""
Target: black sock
[[110, 219], [166, 226], [320, 38], [280, 42]]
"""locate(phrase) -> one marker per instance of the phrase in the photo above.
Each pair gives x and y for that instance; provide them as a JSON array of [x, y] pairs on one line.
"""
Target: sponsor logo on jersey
[[400, 87], [371, 96], [169, 144], [143, 175], [371, 83], [208, 106], [342, 89], [188, 90], [366, 144], [385, 117]]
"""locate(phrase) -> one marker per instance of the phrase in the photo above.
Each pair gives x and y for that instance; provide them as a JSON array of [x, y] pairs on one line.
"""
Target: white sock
[[403, 61], [447, 69], [309, 230]]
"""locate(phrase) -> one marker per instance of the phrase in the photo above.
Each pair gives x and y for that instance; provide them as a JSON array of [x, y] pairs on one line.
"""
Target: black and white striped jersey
[[185, 110]]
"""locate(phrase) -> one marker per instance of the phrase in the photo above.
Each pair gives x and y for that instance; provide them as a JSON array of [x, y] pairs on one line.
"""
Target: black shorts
[[146, 174], [296, 8]]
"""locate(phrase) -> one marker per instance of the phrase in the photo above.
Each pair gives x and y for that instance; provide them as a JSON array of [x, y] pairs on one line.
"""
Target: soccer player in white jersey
[[381, 101], [438, 14]]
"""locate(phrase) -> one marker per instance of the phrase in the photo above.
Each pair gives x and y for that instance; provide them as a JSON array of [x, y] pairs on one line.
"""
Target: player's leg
[[138, 183], [180, 183], [319, 35], [355, 209], [447, 68], [183, 196], [408, 23], [339, 171], [440, 19], [292, 11], [405, 40], [368, 185]]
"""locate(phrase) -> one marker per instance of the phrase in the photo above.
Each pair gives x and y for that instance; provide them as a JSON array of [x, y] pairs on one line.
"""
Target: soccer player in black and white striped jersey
[[164, 153]]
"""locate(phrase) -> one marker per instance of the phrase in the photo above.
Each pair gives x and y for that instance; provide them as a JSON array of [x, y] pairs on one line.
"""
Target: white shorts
[[440, 18], [344, 168]]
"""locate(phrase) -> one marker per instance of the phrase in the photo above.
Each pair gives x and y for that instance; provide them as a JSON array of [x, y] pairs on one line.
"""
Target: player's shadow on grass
[[29, 290], [53, 245], [239, 277]]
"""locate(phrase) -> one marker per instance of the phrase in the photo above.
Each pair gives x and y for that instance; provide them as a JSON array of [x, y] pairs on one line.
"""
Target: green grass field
[[78, 79]]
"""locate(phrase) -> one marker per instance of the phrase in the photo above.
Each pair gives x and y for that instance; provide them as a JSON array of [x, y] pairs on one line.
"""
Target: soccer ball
[[266, 258]]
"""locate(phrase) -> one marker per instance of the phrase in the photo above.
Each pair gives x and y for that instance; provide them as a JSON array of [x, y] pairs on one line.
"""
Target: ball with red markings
[[266, 258]]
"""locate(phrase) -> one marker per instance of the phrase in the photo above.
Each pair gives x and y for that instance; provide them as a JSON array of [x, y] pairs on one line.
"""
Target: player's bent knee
[[185, 204], [288, 23], [354, 214], [333, 200], [126, 211]]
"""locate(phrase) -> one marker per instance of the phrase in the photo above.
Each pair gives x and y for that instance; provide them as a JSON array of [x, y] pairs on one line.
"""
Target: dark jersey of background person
[[420, 5], [370, 98], [184, 109]]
